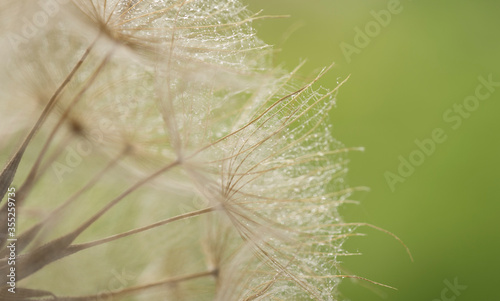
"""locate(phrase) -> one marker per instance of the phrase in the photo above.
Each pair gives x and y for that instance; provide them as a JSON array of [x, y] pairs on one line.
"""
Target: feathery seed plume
[[156, 154]]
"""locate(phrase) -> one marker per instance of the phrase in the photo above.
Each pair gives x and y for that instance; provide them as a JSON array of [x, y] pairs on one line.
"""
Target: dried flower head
[[162, 157]]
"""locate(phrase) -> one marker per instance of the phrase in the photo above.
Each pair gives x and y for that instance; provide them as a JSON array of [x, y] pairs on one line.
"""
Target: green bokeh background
[[427, 59]]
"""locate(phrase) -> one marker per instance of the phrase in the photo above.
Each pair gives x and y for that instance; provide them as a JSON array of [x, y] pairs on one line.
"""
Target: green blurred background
[[423, 62]]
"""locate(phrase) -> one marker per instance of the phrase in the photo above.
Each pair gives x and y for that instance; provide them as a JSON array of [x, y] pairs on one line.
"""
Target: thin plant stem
[[141, 288], [28, 183], [83, 246], [7, 175], [56, 249], [27, 237]]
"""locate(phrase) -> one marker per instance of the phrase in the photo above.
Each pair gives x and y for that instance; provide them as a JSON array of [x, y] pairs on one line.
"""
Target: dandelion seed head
[[218, 162]]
